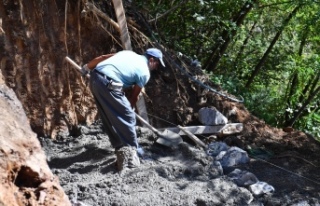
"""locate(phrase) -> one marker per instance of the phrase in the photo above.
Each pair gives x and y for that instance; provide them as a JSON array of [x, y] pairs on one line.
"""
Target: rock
[[215, 170], [243, 178], [232, 157], [260, 188], [211, 116], [25, 175], [288, 129], [215, 148]]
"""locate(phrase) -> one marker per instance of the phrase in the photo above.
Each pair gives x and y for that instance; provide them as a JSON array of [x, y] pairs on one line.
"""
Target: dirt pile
[[25, 176], [167, 176]]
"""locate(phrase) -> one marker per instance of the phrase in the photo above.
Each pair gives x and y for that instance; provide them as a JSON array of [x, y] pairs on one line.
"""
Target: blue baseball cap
[[156, 53]]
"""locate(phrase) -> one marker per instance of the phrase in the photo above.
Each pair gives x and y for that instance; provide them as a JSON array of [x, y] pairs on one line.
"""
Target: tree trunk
[[293, 85], [218, 50], [122, 21], [245, 42], [292, 88], [311, 97], [266, 54]]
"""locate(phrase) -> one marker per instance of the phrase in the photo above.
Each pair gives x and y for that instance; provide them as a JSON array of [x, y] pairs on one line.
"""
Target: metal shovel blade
[[166, 138], [169, 138]]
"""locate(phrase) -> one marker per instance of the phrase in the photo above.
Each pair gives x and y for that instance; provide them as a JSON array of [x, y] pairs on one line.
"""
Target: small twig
[[117, 42], [93, 8], [65, 26], [167, 12]]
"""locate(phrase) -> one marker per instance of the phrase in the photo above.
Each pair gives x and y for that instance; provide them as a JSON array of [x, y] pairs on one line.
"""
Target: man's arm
[[134, 95], [93, 63]]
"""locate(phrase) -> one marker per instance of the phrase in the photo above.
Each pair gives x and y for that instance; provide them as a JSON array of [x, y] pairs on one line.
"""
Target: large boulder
[[211, 116], [25, 176]]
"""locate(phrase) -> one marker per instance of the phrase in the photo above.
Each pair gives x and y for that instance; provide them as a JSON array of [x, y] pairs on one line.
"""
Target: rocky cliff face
[[25, 176]]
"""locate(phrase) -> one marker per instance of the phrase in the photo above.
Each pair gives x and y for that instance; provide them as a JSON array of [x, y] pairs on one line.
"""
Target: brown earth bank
[[25, 176]]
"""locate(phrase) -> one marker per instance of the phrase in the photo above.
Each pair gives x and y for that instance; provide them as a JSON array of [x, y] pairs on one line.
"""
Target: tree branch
[[167, 12]]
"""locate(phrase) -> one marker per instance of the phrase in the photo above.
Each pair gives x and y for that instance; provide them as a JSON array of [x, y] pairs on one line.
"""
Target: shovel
[[166, 138]]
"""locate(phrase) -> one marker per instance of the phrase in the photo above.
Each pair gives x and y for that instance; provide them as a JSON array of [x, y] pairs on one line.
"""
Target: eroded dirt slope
[[25, 176]]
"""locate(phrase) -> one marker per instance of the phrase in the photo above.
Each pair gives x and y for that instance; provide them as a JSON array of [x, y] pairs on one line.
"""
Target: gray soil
[[86, 168]]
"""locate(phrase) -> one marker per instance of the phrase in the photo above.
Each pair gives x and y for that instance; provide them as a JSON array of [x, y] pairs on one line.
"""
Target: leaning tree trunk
[[274, 41], [218, 49], [245, 43], [297, 115], [293, 84]]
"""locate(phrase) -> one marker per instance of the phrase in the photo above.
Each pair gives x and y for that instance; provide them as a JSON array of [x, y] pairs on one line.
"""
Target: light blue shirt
[[126, 67]]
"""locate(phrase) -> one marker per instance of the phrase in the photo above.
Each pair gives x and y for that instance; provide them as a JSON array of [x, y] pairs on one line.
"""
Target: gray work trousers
[[115, 111]]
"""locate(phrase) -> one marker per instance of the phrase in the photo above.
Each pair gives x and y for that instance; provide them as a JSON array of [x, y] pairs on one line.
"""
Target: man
[[109, 74]]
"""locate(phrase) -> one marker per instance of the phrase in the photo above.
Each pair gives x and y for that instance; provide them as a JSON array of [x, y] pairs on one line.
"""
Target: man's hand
[[85, 70]]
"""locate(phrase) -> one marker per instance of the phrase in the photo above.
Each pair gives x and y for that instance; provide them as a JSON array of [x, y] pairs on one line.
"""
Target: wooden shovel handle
[[147, 124], [73, 63], [193, 137]]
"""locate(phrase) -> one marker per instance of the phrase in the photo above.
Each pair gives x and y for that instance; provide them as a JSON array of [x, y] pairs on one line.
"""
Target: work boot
[[127, 157]]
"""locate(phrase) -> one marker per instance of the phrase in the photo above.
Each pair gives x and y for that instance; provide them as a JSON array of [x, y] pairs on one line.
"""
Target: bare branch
[[167, 12]]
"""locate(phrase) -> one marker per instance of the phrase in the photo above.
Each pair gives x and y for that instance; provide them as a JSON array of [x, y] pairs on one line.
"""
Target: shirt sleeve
[[142, 80]]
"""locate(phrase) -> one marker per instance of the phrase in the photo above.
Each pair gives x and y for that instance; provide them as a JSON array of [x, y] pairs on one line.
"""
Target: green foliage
[[195, 27], [310, 124]]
